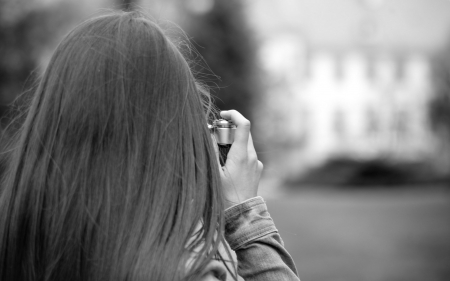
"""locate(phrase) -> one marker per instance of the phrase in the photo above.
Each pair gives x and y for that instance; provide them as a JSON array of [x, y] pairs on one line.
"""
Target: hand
[[242, 171]]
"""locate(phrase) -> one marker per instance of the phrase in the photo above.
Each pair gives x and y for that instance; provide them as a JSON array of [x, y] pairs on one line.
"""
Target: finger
[[242, 126], [250, 145], [251, 152], [260, 168]]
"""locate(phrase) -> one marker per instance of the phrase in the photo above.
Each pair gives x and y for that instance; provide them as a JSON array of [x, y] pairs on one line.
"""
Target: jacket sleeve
[[251, 233]]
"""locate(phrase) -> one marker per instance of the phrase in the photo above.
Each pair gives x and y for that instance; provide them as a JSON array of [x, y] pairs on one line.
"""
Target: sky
[[422, 25]]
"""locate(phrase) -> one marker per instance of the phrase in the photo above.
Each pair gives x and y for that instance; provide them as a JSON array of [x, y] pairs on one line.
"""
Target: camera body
[[223, 132]]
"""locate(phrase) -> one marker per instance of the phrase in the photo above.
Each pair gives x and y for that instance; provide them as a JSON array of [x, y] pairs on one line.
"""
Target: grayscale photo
[[227, 140]]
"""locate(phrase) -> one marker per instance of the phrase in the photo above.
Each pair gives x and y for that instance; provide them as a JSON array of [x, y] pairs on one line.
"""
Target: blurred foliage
[[223, 39], [126, 5], [440, 105], [367, 173], [26, 31]]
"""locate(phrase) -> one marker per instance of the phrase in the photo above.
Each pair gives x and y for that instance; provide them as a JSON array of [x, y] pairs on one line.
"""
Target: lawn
[[378, 234]]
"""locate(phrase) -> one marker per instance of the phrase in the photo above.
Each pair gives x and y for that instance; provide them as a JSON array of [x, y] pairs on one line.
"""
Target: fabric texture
[[252, 235]]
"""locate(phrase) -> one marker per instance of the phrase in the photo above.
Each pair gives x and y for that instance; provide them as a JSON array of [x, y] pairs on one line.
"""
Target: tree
[[126, 5], [223, 39], [440, 106], [24, 36]]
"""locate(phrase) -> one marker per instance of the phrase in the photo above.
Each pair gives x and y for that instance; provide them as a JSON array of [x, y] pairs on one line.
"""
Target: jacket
[[252, 235]]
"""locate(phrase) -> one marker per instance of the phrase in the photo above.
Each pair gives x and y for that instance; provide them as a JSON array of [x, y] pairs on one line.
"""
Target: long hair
[[113, 175]]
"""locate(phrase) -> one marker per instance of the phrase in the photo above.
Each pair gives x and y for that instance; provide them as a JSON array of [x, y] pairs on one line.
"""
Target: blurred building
[[327, 104], [362, 93]]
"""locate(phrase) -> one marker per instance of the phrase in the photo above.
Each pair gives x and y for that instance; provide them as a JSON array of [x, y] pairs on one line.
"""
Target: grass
[[379, 234]]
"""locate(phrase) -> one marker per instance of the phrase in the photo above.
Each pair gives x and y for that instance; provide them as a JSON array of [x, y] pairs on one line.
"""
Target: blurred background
[[350, 108]]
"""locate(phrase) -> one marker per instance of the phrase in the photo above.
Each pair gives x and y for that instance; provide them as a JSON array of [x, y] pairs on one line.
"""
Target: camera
[[223, 132]]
